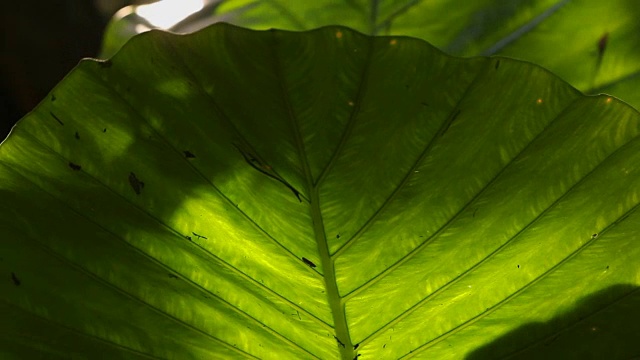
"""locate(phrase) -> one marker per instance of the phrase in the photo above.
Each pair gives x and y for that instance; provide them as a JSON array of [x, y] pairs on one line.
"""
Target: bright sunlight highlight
[[166, 13]]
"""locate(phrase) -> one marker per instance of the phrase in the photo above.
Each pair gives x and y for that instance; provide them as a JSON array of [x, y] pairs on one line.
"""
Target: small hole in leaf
[[75, 167]]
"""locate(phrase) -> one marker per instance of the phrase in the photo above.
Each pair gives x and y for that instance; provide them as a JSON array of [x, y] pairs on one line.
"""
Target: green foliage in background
[[325, 194], [592, 44]]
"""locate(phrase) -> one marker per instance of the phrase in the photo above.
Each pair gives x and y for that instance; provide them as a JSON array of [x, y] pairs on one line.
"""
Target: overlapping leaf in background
[[592, 44], [173, 202]]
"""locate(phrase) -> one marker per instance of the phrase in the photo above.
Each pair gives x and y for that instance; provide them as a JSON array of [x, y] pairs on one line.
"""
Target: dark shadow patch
[[77, 136], [603, 325]]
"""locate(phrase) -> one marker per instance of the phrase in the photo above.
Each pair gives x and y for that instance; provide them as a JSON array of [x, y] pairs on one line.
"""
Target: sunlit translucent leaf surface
[[592, 44], [275, 195]]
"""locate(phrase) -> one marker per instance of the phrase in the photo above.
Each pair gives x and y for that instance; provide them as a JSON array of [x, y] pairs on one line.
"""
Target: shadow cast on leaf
[[603, 325]]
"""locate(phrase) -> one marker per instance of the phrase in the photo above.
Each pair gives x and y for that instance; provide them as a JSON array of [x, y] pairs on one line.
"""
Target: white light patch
[[166, 13]]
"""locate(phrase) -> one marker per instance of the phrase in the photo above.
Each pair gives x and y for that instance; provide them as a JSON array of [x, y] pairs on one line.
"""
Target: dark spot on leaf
[[104, 130], [308, 262], [173, 276], [135, 183], [518, 266], [497, 64], [53, 98], [57, 118], [77, 136], [594, 236], [265, 169], [356, 346], [188, 154], [15, 279], [356, 357], [75, 167], [105, 64], [338, 236], [188, 238], [607, 267], [602, 44], [384, 346], [199, 236]]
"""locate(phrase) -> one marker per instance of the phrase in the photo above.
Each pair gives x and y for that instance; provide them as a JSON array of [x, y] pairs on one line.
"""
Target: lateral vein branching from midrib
[[333, 295], [489, 256], [536, 280], [81, 269], [352, 117], [165, 140], [450, 221], [155, 261], [222, 115], [75, 331], [516, 235], [411, 170], [195, 169]]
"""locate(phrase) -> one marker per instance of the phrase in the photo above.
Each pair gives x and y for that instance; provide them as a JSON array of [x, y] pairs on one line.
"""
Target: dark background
[[42, 42]]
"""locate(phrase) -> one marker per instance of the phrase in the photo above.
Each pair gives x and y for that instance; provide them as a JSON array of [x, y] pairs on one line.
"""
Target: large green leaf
[[239, 194], [592, 44]]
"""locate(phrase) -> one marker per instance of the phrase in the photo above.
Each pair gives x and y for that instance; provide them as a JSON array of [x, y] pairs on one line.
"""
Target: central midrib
[[343, 340]]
